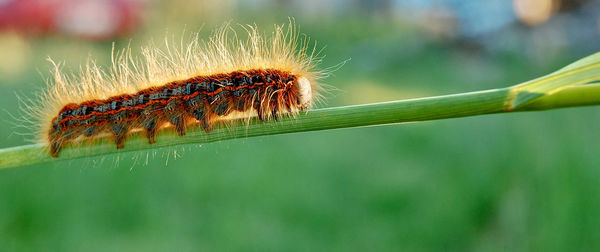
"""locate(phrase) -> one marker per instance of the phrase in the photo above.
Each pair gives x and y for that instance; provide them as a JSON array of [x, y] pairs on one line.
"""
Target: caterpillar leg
[[119, 130], [179, 123], [200, 114], [150, 128], [222, 108], [55, 147]]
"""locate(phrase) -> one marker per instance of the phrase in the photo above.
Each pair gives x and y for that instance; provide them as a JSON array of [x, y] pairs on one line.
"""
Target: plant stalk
[[412, 110]]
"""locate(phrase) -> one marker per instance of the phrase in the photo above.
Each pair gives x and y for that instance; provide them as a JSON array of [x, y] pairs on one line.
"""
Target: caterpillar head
[[303, 90]]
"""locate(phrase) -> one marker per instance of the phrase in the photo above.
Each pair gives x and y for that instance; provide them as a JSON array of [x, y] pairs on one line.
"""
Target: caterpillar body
[[197, 83]]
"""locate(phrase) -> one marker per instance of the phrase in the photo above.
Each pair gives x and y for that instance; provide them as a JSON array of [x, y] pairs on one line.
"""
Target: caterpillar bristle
[[198, 83]]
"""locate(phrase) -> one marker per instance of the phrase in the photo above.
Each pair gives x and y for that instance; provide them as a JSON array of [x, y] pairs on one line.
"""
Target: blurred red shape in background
[[89, 19]]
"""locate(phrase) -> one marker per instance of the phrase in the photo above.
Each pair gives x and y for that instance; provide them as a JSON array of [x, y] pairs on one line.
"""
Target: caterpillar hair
[[198, 82]]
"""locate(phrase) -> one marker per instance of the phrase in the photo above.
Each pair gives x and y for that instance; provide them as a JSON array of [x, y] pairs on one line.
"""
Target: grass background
[[526, 181]]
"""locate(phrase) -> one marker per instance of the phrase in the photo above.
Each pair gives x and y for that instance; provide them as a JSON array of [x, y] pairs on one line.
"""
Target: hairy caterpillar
[[199, 82]]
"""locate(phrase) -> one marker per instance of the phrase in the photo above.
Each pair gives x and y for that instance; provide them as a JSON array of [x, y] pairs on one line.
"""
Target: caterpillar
[[198, 82]]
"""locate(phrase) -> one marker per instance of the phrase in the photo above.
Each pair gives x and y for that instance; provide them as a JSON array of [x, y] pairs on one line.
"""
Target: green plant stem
[[422, 109]]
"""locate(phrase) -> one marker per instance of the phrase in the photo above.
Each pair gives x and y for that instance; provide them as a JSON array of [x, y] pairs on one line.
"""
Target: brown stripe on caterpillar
[[201, 99]]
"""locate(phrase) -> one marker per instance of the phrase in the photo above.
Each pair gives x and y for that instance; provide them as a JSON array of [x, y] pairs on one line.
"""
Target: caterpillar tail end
[[55, 147]]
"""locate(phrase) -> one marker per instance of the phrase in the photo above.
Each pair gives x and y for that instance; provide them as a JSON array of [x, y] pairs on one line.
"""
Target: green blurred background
[[516, 182]]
